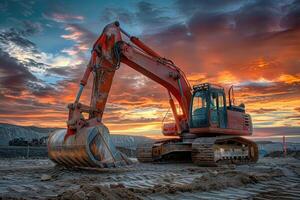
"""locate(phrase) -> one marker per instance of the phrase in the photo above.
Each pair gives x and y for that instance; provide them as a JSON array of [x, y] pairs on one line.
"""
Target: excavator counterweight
[[208, 131]]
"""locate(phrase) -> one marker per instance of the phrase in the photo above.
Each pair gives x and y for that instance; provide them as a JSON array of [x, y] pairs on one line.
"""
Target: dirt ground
[[270, 178]]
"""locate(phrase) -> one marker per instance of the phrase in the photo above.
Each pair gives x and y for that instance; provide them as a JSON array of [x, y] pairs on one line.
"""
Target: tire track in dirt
[[268, 179], [279, 188]]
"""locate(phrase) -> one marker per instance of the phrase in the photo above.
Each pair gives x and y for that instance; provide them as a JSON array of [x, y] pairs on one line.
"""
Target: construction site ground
[[270, 178]]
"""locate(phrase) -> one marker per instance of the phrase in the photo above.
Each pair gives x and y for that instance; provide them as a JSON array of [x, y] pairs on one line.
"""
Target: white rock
[[45, 177]]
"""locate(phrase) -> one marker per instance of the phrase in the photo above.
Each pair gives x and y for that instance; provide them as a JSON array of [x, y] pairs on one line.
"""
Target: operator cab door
[[199, 110], [213, 109], [217, 109], [222, 115]]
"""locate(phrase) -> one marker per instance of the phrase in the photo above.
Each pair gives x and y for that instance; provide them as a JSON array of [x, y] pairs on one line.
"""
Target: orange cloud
[[289, 79]]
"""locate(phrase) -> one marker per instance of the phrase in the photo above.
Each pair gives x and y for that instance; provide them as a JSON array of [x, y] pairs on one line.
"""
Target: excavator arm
[[87, 143], [108, 52]]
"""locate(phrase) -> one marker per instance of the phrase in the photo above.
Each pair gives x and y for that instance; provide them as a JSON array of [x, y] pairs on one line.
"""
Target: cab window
[[221, 101], [199, 102], [213, 101], [199, 112]]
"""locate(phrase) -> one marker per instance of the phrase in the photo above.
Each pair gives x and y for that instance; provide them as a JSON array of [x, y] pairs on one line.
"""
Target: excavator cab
[[209, 114], [208, 107]]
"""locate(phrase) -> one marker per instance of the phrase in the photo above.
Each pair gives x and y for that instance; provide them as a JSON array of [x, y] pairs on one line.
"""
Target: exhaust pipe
[[89, 147]]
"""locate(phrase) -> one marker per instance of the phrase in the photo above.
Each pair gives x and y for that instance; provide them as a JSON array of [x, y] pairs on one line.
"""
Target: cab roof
[[207, 86]]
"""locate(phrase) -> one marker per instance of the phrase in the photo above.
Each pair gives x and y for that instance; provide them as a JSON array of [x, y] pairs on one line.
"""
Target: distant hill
[[10, 131]]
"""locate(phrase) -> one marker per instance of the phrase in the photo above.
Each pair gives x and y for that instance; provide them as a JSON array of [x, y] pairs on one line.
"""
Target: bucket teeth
[[89, 147]]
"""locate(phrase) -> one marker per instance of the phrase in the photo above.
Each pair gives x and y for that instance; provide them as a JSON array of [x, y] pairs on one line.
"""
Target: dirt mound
[[215, 181], [114, 192], [212, 180]]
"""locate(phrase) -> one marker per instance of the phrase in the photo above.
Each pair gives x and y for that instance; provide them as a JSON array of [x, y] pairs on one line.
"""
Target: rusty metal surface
[[90, 147]]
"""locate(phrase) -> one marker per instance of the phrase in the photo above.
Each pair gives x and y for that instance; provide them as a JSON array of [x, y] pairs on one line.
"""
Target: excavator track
[[170, 150], [144, 152], [214, 151], [204, 151]]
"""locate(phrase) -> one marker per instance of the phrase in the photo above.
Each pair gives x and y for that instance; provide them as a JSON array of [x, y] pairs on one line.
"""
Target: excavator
[[208, 129]]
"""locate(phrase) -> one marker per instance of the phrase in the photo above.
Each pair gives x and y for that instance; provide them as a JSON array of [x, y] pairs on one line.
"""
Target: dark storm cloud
[[14, 75], [198, 26], [189, 6], [15, 36], [167, 36], [63, 71], [38, 65], [269, 93], [253, 29], [210, 23], [26, 105], [18, 35], [39, 89], [15, 78], [292, 18], [258, 17], [151, 15], [146, 15], [248, 18]]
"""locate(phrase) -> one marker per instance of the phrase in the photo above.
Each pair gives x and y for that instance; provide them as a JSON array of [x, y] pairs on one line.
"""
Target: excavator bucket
[[89, 147]]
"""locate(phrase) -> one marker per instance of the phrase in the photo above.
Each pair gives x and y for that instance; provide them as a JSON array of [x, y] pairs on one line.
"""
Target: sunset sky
[[254, 45]]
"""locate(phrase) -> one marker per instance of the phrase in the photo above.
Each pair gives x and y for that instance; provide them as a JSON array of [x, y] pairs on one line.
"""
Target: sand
[[41, 179]]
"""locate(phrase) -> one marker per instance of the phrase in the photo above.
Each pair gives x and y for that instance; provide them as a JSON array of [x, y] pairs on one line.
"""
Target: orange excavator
[[208, 129]]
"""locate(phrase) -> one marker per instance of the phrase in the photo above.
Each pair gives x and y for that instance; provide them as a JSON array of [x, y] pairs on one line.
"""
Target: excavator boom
[[110, 50]]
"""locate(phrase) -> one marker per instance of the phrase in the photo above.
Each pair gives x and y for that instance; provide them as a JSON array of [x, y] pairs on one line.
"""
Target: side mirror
[[242, 105]]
